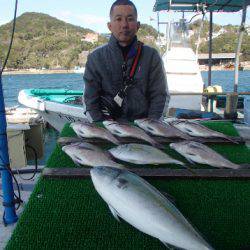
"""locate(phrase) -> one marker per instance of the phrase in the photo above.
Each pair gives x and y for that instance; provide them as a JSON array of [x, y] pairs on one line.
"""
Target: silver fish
[[89, 157], [140, 204], [63, 141], [124, 130], [160, 128], [200, 153], [89, 130], [142, 154], [196, 129]]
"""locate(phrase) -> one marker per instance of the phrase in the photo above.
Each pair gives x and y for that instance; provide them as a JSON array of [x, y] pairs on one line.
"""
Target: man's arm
[[157, 89], [92, 91]]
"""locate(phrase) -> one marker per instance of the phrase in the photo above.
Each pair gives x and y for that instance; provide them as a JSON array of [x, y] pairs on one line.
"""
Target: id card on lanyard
[[128, 80]]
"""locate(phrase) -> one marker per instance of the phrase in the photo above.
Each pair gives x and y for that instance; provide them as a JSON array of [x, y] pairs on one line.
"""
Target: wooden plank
[[62, 141], [155, 173]]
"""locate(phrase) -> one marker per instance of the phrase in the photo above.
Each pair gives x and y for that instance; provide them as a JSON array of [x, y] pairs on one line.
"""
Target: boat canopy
[[198, 5]]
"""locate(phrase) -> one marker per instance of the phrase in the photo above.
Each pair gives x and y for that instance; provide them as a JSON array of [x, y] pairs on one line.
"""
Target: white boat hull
[[56, 114], [183, 76], [58, 120]]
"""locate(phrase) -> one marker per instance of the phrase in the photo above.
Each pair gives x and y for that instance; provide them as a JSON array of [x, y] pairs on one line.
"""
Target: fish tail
[[243, 166], [117, 142], [177, 162], [231, 139], [114, 140], [186, 137], [158, 145], [120, 166]]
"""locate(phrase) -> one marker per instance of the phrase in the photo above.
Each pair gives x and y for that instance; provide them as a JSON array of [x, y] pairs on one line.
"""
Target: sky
[[94, 14]]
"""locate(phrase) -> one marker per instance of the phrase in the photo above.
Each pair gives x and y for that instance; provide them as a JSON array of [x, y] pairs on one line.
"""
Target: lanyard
[[129, 80]]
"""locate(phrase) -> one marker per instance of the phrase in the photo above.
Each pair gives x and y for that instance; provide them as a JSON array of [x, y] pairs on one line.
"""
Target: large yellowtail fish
[[140, 204]]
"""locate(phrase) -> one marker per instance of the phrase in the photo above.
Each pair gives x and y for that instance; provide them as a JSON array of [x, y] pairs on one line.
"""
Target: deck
[[67, 213]]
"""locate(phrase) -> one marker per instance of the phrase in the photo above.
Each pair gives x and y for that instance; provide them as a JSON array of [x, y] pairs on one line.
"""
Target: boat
[[182, 69], [79, 70], [181, 63], [56, 106], [61, 106], [66, 104], [186, 87]]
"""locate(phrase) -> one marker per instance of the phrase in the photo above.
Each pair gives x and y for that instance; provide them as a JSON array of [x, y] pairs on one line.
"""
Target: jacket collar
[[113, 43]]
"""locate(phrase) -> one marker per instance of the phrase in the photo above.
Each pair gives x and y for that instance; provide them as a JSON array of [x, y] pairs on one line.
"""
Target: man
[[114, 82]]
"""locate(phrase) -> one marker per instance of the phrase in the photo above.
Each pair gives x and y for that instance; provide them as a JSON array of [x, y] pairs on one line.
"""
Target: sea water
[[12, 84]]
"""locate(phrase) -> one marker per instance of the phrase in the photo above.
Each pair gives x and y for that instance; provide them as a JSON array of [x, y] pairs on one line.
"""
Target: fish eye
[[117, 132], [121, 183], [149, 128]]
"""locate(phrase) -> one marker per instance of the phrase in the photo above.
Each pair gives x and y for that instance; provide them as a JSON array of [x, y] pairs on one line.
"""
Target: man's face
[[123, 24]]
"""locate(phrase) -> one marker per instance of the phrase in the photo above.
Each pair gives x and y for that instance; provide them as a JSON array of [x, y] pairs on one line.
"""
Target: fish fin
[[190, 161], [231, 139], [169, 197], [171, 247], [115, 213], [77, 163], [63, 141], [195, 145], [189, 169]]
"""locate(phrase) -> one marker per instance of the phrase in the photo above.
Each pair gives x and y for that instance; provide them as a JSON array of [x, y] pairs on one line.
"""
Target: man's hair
[[122, 2]]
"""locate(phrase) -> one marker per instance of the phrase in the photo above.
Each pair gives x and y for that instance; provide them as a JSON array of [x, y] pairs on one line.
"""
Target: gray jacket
[[148, 97]]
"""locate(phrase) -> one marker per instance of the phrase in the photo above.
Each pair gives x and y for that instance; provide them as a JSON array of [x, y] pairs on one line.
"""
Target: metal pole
[[210, 49], [7, 184], [167, 35], [158, 22], [199, 37], [237, 53]]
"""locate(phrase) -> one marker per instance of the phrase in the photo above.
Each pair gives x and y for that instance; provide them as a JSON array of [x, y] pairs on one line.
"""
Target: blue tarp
[[191, 5]]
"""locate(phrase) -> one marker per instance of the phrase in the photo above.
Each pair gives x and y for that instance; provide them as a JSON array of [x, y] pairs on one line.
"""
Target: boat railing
[[231, 101]]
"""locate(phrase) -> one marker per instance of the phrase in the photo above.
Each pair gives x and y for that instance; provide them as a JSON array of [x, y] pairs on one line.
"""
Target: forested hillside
[[42, 41], [225, 39]]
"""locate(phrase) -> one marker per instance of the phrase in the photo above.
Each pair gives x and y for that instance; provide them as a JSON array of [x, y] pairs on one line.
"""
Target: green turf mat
[[69, 214]]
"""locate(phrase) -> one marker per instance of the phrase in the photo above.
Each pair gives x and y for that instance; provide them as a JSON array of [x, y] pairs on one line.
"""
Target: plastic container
[[247, 110]]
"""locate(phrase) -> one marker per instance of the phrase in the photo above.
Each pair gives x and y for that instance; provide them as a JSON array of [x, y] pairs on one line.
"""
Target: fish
[[196, 129], [200, 153], [90, 130], [141, 205], [89, 157], [63, 141], [159, 128], [141, 154], [124, 130]]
